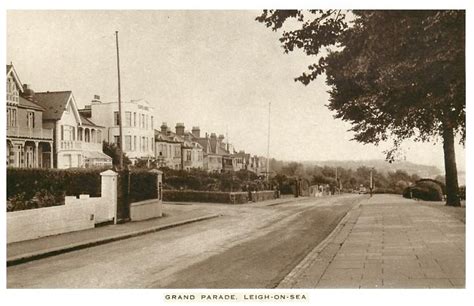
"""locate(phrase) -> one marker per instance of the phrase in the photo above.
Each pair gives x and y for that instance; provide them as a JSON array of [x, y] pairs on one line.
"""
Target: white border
[[317, 297]]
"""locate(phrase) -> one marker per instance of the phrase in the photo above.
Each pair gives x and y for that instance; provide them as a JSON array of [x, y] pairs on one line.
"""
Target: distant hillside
[[381, 166]]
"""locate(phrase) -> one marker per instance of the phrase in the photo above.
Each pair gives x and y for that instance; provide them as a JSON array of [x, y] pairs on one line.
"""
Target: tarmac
[[175, 214], [387, 242]]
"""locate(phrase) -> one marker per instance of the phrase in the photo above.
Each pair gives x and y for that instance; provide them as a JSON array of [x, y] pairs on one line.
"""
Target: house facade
[[29, 144], [177, 150], [77, 140], [137, 128]]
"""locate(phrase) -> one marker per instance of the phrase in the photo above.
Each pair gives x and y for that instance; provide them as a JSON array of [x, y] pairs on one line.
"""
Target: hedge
[[35, 188]]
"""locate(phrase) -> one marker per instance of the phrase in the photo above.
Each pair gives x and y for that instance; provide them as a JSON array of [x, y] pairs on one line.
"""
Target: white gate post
[[109, 191]]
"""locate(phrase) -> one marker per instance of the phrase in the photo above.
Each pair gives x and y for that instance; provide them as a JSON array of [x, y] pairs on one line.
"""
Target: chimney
[[96, 100], [213, 142], [28, 93], [179, 129], [164, 128], [196, 131]]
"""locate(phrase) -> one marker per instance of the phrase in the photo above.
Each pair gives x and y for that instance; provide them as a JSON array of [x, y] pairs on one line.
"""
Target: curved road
[[249, 246]]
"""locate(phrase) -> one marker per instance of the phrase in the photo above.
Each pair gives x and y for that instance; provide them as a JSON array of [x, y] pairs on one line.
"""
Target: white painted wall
[[36, 223], [103, 114], [77, 214]]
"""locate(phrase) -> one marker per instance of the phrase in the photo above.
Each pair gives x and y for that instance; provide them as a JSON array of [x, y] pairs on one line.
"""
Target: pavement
[[24, 251], [174, 215], [387, 242]]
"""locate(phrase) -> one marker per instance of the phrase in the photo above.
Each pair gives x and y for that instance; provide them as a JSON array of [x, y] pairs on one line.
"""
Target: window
[[12, 91], [128, 143], [152, 123], [134, 119], [144, 143], [99, 136], [30, 120], [188, 155], [128, 119], [146, 122], [11, 117], [134, 143], [116, 118], [142, 124]]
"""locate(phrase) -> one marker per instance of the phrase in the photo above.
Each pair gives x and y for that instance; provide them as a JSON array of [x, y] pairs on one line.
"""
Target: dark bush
[[439, 183], [34, 188], [424, 190], [143, 185]]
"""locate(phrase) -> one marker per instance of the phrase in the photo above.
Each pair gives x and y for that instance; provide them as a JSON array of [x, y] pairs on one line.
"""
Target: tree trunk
[[452, 187]]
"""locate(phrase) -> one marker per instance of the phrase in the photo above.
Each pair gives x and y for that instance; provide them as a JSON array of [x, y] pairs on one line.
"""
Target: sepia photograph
[[223, 149]]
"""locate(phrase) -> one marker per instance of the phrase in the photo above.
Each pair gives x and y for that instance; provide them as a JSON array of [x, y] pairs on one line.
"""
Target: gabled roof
[[54, 103], [11, 70], [29, 104]]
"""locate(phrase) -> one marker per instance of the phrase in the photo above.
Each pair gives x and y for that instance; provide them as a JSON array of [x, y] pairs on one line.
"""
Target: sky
[[215, 69]]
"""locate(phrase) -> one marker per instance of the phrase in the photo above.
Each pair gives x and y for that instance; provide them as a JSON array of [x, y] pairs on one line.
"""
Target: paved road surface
[[249, 246]]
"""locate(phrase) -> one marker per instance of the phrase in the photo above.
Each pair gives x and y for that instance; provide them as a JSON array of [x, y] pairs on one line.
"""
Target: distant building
[[137, 128], [77, 140], [240, 161], [29, 144], [177, 150]]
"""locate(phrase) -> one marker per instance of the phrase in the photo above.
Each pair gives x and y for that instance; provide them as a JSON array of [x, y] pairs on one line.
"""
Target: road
[[249, 246]]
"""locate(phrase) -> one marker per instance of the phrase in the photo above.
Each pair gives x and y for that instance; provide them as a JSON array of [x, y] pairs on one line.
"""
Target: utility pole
[[119, 103], [268, 142]]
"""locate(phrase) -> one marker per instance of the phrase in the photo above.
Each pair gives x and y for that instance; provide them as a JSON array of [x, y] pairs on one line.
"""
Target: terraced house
[[29, 144], [177, 150]]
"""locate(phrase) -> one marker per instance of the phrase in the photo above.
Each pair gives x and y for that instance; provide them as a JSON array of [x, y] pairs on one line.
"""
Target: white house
[[137, 128], [77, 140]]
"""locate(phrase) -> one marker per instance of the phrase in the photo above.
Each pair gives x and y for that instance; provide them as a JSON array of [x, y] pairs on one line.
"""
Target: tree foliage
[[392, 74]]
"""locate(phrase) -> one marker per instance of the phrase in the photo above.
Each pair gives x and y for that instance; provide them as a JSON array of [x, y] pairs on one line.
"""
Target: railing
[[30, 133], [70, 145]]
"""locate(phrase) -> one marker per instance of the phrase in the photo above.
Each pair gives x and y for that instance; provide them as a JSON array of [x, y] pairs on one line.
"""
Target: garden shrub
[[35, 188]]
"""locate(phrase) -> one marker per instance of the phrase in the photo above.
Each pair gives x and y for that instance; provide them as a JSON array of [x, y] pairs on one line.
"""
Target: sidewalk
[[387, 242], [23, 251]]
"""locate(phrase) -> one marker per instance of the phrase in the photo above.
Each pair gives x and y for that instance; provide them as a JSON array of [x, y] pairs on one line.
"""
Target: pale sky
[[215, 69]]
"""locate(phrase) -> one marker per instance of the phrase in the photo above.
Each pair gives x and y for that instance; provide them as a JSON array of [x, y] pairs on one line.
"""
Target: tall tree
[[393, 74]]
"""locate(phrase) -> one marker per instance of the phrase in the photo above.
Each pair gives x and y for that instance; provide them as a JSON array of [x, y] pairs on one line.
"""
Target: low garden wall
[[144, 210], [47, 221], [75, 214], [259, 196], [205, 196], [217, 197]]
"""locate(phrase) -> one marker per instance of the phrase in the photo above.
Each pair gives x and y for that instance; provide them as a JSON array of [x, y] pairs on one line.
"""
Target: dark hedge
[[35, 188]]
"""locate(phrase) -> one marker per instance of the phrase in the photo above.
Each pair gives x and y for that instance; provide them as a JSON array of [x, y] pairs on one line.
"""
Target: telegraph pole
[[268, 142], [120, 144]]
